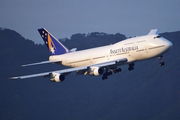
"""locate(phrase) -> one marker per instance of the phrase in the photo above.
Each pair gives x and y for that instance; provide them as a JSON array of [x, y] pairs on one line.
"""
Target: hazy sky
[[66, 17]]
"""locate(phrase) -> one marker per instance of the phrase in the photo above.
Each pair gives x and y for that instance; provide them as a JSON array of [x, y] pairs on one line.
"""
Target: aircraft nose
[[169, 44]]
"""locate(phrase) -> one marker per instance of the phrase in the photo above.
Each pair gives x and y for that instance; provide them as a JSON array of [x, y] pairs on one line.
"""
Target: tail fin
[[55, 47]]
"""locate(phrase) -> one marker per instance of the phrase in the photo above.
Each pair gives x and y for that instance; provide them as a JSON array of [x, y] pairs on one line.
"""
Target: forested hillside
[[149, 92]]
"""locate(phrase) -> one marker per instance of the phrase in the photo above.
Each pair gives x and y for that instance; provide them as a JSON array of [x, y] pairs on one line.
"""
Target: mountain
[[83, 41], [149, 92]]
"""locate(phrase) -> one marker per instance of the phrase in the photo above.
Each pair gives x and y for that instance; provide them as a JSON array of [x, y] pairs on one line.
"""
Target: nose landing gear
[[161, 63]]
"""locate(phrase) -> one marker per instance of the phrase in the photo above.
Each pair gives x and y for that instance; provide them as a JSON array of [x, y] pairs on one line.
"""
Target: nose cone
[[168, 45]]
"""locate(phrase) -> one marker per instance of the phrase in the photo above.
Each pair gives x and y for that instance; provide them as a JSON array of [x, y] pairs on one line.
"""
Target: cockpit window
[[157, 37]]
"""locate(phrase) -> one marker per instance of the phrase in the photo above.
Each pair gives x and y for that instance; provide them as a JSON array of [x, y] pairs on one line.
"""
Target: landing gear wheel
[[131, 66], [117, 70], [109, 73], [104, 77], [161, 63]]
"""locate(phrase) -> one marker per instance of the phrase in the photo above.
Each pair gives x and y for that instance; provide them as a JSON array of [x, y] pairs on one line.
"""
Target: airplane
[[103, 60]]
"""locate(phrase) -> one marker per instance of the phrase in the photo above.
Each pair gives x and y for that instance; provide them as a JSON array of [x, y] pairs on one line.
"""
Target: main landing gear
[[161, 63], [131, 66], [106, 74], [115, 70]]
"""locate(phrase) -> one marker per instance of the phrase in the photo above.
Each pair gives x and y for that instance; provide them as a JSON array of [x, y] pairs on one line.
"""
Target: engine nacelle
[[56, 77], [95, 71]]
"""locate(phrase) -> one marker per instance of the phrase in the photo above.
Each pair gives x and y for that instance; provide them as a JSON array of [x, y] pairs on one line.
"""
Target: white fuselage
[[134, 49]]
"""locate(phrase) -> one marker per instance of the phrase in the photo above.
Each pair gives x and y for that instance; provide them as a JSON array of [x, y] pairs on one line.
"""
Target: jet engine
[[56, 77], [96, 71]]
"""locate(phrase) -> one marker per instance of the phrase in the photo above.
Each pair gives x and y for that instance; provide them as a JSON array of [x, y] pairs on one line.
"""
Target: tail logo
[[55, 47], [49, 42]]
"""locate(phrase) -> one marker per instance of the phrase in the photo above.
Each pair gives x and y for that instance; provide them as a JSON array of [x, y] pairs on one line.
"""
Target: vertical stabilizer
[[55, 47]]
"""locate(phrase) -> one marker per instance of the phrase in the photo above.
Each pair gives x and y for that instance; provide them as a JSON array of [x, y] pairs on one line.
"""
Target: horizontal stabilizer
[[73, 50]]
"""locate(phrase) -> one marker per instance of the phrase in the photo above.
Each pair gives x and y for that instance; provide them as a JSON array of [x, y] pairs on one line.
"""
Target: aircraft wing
[[69, 70]]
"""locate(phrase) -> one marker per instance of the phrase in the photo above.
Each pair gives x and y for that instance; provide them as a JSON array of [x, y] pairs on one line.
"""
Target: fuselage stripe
[[98, 57], [157, 47], [79, 61]]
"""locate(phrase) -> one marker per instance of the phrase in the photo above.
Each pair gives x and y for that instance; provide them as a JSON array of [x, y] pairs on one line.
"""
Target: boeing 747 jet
[[104, 60]]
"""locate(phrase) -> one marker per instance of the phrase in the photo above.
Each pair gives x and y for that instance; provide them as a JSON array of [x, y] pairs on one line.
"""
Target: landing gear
[[106, 74], [131, 66], [161, 63], [117, 70]]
